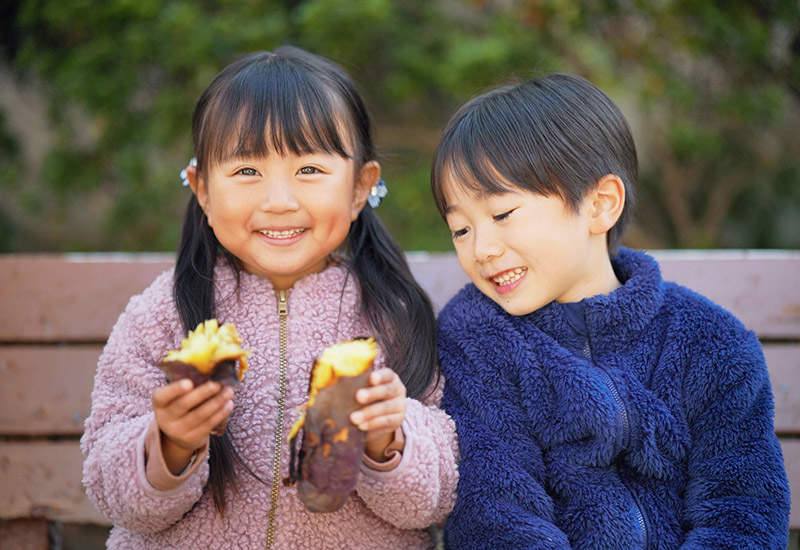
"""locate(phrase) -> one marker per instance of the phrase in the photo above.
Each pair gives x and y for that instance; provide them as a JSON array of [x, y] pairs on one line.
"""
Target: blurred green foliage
[[712, 90]]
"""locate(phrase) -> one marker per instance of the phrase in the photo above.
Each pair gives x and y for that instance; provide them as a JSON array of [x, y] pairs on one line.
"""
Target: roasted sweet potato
[[210, 352], [327, 465]]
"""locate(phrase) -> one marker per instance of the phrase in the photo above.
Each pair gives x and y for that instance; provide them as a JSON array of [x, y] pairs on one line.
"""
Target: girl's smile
[[282, 237]]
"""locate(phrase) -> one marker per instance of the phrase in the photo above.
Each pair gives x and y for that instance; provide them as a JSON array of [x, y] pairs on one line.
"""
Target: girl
[[277, 240]]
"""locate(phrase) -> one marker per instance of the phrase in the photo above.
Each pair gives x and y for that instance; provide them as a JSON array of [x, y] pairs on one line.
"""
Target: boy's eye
[[308, 170], [503, 216], [460, 232], [248, 172]]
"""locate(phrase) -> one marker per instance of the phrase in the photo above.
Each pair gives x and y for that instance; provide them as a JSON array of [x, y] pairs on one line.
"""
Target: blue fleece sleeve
[[501, 502], [738, 494]]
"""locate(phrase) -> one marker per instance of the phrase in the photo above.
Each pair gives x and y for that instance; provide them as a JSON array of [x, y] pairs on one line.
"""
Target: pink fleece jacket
[[389, 509]]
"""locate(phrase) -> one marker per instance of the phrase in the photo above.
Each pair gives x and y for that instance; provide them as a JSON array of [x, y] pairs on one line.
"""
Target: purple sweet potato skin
[[332, 447], [224, 373]]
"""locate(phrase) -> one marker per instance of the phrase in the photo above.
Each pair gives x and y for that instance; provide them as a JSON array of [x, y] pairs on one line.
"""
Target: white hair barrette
[[184, 176], [377, 193]]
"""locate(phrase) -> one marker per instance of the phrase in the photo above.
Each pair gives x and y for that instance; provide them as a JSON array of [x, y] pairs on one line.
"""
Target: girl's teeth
[[281, 234], [510, 276]]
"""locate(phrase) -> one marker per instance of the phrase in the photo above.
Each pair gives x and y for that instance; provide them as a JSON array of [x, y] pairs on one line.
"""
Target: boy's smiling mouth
[[509, 277]]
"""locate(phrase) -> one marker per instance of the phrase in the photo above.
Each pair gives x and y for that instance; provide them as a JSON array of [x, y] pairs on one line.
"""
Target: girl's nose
[[486, 246], [279, 196]]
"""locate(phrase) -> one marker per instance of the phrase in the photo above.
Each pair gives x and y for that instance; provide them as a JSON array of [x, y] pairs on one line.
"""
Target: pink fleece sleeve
[[113, 444], [156, 470], [420, 490]]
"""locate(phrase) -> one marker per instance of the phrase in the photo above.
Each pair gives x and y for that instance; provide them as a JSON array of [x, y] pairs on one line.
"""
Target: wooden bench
[[57, 311]]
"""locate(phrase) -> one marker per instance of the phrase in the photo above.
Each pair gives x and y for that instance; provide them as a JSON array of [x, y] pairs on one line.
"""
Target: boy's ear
[[605, 204], [199, 189], [367, 178]]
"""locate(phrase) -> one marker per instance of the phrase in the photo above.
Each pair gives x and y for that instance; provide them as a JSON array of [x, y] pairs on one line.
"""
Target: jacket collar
[[235, 286], [615, 318]]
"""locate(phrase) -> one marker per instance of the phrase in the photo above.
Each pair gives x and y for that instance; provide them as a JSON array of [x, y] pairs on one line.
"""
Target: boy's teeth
[[281, 234], [510, 276]]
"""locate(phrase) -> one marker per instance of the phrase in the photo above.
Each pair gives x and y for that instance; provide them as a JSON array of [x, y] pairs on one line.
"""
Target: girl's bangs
[[272, 108]]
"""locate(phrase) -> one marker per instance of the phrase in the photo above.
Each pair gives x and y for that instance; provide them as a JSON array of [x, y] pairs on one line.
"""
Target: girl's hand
[[186, 415], [383, 411]]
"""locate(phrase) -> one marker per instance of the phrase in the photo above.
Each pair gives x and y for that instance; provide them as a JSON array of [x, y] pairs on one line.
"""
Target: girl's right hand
[[186, 415]]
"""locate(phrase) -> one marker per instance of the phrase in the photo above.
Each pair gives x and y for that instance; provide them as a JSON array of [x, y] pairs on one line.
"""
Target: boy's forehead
[[459, 195], [462, 183]]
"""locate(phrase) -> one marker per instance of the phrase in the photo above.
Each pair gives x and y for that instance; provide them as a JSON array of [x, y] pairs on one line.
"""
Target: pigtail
[[193, 291], [194, 268], [394, 303]]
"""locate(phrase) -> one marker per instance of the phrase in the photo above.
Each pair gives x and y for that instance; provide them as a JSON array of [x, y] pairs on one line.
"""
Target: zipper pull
[[283, 302]]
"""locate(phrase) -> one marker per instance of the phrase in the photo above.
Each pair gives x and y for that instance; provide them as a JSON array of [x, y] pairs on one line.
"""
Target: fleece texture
[[391, 509], [659, 436]]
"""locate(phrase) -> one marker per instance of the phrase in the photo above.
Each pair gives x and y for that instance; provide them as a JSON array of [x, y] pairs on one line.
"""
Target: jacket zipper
[[625, 435], [638, 509], [623, 411], [283, 311]]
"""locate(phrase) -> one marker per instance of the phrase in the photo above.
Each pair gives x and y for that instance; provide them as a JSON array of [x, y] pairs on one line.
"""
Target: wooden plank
[[42, 479], [438, 274], [78, 297], [762, 288], [31, 404], [783, 362], [70, 298], [791, 458], [46, 390], [24, 534]]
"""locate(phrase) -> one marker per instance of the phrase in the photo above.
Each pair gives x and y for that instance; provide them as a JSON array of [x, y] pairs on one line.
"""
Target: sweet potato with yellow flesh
[[330, 455], [209, 352]]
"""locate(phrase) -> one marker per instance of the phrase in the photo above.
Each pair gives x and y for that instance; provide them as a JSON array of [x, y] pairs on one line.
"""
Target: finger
[[196, 397], [200, 414], [165, 395], [194, 426], [205, 425], [382, 376], [381, 425], [365, 396], [381, 408]]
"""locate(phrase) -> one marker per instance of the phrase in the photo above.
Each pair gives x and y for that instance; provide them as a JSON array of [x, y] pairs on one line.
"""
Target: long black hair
[[294, 101], [555, 135]]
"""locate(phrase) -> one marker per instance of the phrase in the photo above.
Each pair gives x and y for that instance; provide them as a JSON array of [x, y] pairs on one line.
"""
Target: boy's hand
[[186, 415], [383, 411]]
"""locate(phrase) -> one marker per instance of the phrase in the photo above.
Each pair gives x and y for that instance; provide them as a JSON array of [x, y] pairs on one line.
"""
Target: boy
[[597, 406]]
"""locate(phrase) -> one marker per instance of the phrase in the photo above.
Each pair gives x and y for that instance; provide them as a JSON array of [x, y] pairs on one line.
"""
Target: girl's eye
[[248, 172], [460, 232], [504, 215], [308, 170]]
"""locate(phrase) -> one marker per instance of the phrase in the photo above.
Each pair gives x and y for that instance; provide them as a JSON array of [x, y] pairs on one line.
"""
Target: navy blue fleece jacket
[[658, 434]]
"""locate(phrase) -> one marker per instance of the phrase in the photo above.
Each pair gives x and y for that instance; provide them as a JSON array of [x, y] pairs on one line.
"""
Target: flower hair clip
[[377, 193], [184, 175]]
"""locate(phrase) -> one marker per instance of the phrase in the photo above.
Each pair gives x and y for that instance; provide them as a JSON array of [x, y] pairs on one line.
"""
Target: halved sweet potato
[[210, 352], [327, 466]]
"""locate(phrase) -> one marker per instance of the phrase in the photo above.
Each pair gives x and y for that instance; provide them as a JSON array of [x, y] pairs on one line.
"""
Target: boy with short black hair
[[597, 406]]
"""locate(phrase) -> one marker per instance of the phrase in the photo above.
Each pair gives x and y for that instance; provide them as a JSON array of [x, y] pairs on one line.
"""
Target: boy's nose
[[485, 246], [279, 196]]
